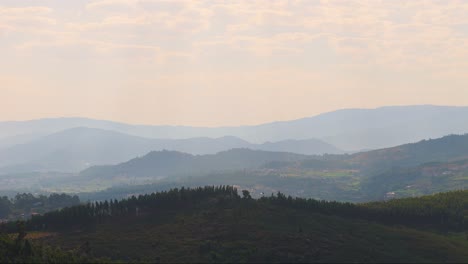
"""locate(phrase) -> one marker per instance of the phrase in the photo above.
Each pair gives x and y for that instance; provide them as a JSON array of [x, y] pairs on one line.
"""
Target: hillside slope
[[447, 148], [165, 163], [420, 180], [215, 224]]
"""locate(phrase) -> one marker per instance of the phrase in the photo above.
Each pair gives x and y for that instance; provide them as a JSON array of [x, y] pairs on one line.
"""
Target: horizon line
[[230, 126]]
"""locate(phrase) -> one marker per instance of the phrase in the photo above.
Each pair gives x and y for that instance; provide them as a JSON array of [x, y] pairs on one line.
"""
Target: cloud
[[207, 45], [109, 22], [384, 32], [23, 18], [25, 11], [109, 3], [177, 16]]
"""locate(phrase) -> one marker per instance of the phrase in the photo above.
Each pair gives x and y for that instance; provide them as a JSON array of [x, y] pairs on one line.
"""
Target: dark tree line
[[25, 202], [445, 212], [5, 206], [174, 199]]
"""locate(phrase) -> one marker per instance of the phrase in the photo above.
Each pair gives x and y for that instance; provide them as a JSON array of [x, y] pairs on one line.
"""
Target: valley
[[228, 200]]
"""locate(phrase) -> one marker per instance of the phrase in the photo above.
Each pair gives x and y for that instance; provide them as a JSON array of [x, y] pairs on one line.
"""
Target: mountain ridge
[[166, 163], [76, 148], [348, 129]]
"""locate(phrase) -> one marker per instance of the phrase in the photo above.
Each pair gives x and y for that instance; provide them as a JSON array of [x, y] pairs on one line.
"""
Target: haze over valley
[[78, 155], [211, 131]]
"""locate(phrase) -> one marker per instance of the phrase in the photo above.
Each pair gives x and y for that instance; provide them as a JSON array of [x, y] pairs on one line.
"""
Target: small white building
[[390, 195]]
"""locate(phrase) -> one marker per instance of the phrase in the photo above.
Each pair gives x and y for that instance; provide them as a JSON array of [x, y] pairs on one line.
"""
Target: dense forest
[[444, 211], [23, 205], [19, 249], [217, 224]]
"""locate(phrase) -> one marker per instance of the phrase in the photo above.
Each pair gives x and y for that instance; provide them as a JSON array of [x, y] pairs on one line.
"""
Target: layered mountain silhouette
[[75, 149], [370, 163], [348, 129]]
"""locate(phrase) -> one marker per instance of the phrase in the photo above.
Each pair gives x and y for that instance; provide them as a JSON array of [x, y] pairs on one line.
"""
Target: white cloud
[[23, 18], [22, 11], [387, 32], [420, 40], [107, 3]]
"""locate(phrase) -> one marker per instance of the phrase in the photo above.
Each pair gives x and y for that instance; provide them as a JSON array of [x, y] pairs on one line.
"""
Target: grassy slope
[[259, 232], [422, 180]]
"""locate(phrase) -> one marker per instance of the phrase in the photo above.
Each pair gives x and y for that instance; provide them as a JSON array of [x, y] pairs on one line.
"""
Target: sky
[[218, 63]]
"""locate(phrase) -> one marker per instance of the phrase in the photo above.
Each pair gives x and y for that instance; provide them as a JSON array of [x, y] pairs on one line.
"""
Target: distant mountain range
[[418, 168], [75, 149], [73, 144], [348, 129]]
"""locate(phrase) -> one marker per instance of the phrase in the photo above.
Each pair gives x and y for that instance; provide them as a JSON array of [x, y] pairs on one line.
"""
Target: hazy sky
[[212, 63]]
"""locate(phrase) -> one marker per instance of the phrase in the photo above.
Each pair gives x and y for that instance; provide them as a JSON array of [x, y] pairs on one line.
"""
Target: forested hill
[[432, 177], [448, 148], [216, 224], [164, 163], [362, 176], [444, 149], [22, 250]]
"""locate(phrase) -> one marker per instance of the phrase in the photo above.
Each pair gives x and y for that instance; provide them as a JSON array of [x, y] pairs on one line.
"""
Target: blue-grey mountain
[[75, 149], [348, 129]]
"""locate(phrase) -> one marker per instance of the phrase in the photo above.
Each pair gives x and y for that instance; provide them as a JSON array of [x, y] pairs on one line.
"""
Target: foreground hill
[[348, 129], [22, 250], [215, 224]]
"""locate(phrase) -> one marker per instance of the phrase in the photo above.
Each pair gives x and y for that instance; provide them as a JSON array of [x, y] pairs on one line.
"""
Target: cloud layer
[[227, 62]]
